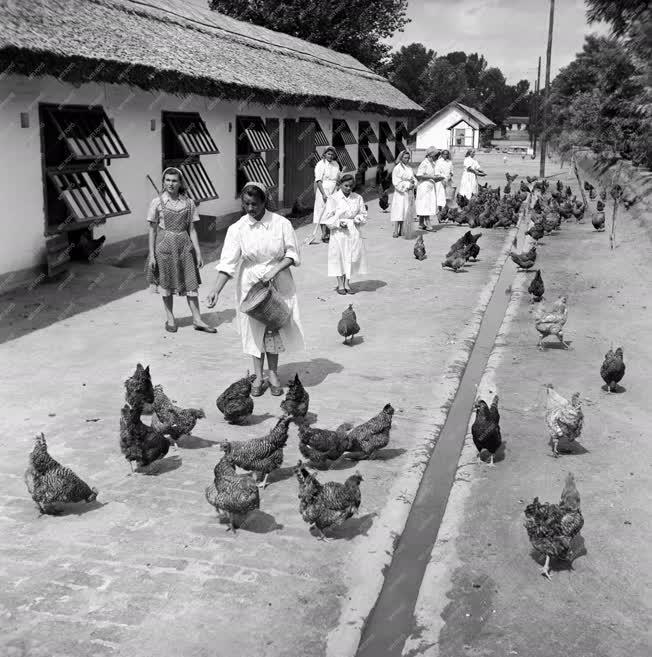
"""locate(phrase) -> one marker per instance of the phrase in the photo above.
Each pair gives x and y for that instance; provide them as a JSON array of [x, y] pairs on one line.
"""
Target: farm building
[[516, 128], [455, 126], [99, 95]]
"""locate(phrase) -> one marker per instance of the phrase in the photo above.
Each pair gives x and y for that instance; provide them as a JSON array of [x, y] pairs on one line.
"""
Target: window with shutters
[[185, 138], [366, 136], [252, 140], [385, 135], [78, 144], [343, 137]]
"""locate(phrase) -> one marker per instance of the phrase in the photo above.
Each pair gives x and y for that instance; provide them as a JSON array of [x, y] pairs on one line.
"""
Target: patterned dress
[[176, 268]]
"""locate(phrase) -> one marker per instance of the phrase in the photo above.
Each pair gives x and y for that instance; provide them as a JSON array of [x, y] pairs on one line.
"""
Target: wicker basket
[[264, 303]]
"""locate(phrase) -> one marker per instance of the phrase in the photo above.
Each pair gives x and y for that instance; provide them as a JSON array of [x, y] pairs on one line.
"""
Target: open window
[[343, 137], [401, 137], [185, 139], [78, 144], [252, 140], [320, 135], [365, 154], [385, 135]]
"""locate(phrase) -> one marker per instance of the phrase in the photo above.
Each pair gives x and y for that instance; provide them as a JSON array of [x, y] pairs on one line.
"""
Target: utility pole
[[544, 123], [536, 106]]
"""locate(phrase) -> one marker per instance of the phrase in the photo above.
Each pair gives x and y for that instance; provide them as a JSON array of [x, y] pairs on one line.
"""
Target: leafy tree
[[407, 68], [445, 83], [493, 95], [355, 27]]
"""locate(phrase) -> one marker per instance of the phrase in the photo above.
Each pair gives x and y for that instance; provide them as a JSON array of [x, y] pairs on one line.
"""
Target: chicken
[[420, 249], [383, 198], [536, 287], [51, 484], [323, 447], [603, 194], [467, 238], [552, 322], [234, 495], [328, 505], [455, 262], [296, 399], [598, 221], [613, 369], [511, 178], [551, 528], [535, 232], [138, 442], [261, 455], [599, 206], [588, 186], [526, 259], [172, 420], [564, 418], [578, 210], [236, 402], [485, 429], [551, 221], [531, 179], [592, 193], [524, 188], [348, 325], [560, 186], [366, 439], [139, 389], [84, 247]]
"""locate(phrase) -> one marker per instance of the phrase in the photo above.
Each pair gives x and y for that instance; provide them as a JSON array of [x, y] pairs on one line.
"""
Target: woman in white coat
[[261, 246], [403, 210], [427, 201], [469, 181], [327, 174], [345, 214], [443, 170]]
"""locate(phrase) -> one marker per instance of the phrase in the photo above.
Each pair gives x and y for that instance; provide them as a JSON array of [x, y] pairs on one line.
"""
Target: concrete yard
[[148, 569]]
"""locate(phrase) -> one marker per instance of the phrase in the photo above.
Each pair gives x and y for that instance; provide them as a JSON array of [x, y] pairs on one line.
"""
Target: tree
[[407, 68], [354, 27], [493, 95], [622, 15], [445, 83]]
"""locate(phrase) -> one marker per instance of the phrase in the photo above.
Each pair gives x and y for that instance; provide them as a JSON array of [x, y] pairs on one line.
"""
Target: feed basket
[[264, 303]]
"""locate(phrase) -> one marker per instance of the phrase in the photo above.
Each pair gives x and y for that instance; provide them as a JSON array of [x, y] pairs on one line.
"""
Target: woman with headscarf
[[469, 181], [427, 201], [261, 247], [327, 174], [443, 170], [402, 211], [174, 255], [345, 213]]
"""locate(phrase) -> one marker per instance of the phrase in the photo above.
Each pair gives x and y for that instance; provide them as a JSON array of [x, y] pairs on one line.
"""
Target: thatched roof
[[181, 48], [471, 112]]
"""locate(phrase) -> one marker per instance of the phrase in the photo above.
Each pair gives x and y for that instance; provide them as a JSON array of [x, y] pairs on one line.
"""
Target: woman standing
[[327, 174], [469, 181], [443, 170], [174, 255], [261, 246], [345, 213], [427, 201], [403, 211]]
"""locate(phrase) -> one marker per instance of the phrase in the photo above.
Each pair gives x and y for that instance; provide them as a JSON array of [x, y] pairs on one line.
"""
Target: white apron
[[426, 201], [469, 181], [403, 207], [443, 168], [328, 173]]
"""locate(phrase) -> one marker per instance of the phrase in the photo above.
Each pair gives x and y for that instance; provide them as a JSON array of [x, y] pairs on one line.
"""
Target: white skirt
[[468, 185], [426, 201], [402, 208], [329, 187], [346, 254]]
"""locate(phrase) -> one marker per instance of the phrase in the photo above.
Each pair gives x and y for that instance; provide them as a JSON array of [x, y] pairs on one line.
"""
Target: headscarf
[[469, 153], [331, 149], [182, 182], [432, 149], [261, 187], [400, 155]]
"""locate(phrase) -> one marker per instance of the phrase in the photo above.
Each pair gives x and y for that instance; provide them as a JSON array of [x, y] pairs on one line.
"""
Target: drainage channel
[[392, 618]]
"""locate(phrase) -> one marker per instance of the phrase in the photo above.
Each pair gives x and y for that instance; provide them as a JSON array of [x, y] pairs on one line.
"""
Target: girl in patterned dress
[[174, 255]]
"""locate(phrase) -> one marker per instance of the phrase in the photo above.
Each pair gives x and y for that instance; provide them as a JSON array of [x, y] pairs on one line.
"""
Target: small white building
[[98, 96], [455, 127]]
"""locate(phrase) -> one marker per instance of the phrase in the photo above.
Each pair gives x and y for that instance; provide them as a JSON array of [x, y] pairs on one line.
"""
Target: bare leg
[[397, 228], [341, 282], [272, 363], [555, 442], [310, 240], [545, 571], [258, 370], [193, 304], [263, 483], [346, 282], [168, 303]]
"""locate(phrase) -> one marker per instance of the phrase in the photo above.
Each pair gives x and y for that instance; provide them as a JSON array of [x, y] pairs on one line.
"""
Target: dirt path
[[483, 594]]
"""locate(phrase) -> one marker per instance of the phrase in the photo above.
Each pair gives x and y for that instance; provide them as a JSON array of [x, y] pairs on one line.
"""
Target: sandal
[[170, 328], [257, 391], [276, 391], [341, 291], [205, 329]]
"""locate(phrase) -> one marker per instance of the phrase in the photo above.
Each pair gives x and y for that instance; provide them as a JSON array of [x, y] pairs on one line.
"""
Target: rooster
[[51, 484], [486, 429], [139, 391], [551, 528], [613, 369], [564, 418], [138, 442]]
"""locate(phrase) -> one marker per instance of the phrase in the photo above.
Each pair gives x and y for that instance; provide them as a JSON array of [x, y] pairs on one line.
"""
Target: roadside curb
[[444, 560], [370, 560]]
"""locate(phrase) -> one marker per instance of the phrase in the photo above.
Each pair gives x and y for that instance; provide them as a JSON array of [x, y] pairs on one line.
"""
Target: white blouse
[[325, 170], [155, 216]]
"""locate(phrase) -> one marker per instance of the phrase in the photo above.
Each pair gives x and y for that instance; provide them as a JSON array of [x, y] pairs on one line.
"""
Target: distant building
[[100, 95], [515, 128], [455, 126]]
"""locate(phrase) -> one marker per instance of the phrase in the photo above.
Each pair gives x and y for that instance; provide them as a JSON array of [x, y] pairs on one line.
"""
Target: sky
[[511, 34]]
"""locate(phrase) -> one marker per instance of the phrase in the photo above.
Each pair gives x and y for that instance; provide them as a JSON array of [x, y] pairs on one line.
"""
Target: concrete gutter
[[370, 559]]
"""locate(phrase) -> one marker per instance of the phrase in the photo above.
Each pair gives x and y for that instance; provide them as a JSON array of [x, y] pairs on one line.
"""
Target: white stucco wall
[[22, 221], [436, 133]]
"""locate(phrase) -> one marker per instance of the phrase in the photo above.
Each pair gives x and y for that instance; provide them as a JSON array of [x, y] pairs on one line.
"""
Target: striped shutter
[[200, 186], [367, 156], [386, 153], [367, 133], [343, 157], [342, 133], [320, 136], [386, 133], [191, 133], [255, 170], [253, 129]]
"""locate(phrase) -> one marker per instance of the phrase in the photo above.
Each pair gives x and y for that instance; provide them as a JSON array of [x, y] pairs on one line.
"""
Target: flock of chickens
[[234, 495], [551, 528]]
